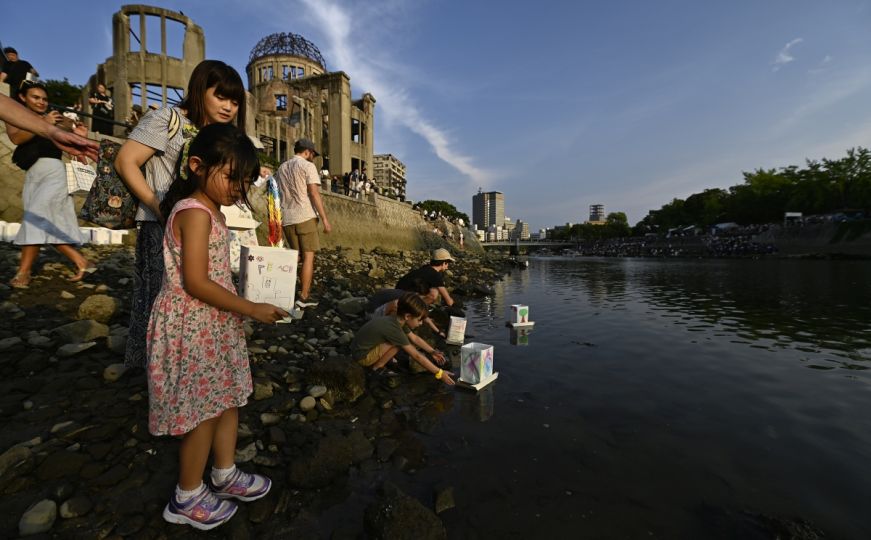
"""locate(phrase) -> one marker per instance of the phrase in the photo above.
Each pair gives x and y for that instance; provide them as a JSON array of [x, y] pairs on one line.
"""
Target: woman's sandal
[[90, 269], [20, 281]]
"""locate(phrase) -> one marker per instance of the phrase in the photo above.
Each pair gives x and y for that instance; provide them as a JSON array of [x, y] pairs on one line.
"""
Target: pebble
[[61, 425], [98, 307], [257, 350], [325, 404], [270, 419], [444, 500], [114, 372], [72, 349], [244, 431], [76, 507], [67, 295], [27, 405], [8, 343], [308, 403], [262, 391], [39, 518], [317, 391], [246, 453], [13, 456], [39, 341], [81, 331]]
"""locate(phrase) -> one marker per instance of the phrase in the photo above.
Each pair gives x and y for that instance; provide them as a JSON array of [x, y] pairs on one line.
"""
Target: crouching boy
[[378, 341]]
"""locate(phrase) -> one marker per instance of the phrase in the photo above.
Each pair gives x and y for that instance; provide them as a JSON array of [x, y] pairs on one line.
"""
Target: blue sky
[[556, 104]]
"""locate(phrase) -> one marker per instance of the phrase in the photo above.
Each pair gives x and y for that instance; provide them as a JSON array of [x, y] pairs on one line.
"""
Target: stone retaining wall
[[373, 222]]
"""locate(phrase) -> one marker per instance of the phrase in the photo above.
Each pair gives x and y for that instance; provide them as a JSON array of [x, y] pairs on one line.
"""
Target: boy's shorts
[[303, 236], [371, 357]]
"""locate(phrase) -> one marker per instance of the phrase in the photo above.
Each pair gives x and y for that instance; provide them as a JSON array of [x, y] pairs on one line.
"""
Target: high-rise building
[[488, 209], [597, 213], [388, 174], [520, 230]]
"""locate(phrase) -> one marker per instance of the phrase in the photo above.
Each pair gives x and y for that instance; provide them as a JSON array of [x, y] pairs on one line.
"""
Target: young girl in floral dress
[[198, 371]]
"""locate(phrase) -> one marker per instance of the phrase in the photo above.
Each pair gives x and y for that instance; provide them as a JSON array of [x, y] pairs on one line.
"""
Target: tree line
[[820, 187]]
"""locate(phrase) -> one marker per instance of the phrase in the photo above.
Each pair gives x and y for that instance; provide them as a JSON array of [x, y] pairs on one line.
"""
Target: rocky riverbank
[[76, 458]]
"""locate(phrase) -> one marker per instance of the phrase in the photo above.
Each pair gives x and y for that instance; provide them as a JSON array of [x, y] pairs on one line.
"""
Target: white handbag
[[80, 176]]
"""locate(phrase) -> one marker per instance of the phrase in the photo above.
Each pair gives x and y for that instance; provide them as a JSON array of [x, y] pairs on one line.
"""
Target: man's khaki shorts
[[303, 236]]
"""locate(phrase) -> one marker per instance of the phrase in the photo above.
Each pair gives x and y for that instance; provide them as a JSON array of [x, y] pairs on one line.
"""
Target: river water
[[665, 399]]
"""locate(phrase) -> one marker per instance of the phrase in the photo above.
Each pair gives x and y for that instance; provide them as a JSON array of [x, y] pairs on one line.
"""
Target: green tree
[[446, 208], [62, 93]]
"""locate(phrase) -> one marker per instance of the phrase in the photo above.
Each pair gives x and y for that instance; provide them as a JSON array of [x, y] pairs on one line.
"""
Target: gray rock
[[76, 507], [117, 344], [257, 350], [114, 372], [317, 391], [308, 403], [10, 342], [71, 349], [39, 518], [246, 453], [13, 456], [40, 342], [352, 306], [244, 431], [98, 307], [396, 515], [346, 337], [345, 379], [262, 390], [81, 331], [333, 456]]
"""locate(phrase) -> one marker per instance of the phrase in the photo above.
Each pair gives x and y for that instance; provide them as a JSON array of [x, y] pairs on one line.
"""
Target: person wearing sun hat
[[432, 274]]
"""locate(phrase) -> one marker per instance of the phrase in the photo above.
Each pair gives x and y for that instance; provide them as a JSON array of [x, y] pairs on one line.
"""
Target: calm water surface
[[665, 399]]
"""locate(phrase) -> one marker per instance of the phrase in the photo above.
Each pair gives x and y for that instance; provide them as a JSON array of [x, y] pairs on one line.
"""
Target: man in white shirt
[[301, 204]]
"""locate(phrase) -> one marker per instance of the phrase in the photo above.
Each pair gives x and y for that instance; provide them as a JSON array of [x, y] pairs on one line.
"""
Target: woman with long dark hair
[[215, 95]]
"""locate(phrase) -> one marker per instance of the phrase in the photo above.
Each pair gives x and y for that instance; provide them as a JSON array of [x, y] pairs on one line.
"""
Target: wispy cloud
[[823, 66], [385, 81], [828, 94], [785, 56]]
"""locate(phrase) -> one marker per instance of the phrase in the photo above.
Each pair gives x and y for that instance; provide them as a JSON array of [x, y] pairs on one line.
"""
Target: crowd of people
[[186, 319], [355, 184], [736, 241]]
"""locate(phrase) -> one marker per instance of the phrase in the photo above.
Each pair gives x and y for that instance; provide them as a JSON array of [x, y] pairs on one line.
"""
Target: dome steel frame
[[287, 43]]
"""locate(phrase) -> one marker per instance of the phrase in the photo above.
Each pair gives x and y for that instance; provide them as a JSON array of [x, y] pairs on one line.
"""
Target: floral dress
[[197, 356]]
